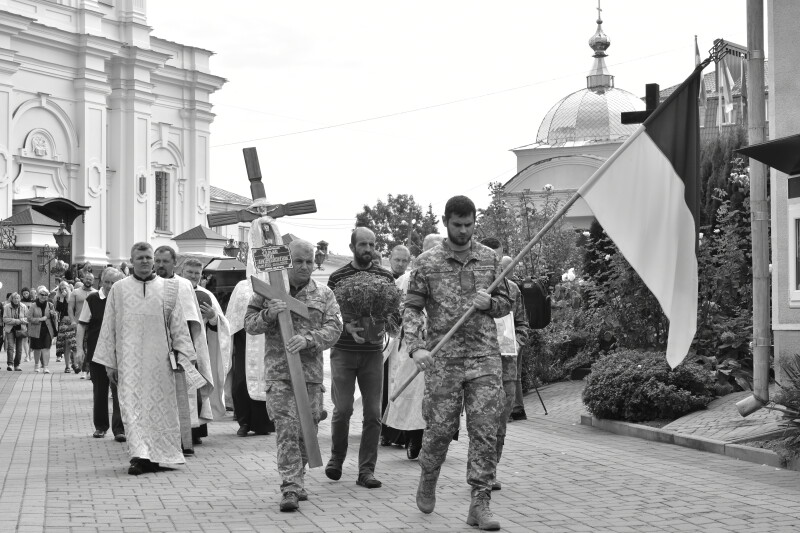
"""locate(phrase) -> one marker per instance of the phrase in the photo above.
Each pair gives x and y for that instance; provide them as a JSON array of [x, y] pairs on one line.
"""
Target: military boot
[[479, 513], [426, 492]]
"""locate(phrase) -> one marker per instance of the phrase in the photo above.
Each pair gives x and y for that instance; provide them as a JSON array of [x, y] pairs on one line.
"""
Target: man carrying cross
[[311, 336]]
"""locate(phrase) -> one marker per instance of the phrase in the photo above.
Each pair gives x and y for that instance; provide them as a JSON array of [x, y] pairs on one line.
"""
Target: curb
[[735, 451]]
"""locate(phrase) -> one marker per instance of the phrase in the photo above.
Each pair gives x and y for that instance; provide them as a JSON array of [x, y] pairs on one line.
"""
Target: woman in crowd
[[27, 299], [42, 327], [61, 305], [14, 323]]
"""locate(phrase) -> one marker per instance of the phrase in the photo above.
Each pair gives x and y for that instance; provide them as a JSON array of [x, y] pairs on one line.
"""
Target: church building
[[575, 137], [104, 127]]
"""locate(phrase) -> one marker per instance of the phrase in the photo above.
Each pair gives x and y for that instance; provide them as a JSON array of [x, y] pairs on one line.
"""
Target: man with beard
[[446, 282], [217, 333], [311, 336], [200, 412], [353, 358]]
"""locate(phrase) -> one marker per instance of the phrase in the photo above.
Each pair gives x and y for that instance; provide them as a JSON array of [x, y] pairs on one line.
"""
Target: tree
[[399, 220], [515, 221]]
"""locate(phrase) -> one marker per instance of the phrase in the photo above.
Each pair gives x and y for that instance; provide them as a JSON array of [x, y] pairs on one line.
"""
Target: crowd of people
[[173, 360]]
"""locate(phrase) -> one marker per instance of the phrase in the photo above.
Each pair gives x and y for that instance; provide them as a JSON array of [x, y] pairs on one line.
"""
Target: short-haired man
[[74, 308], [136, 340], [89, 324], [446, 282], [200, 413], [217, 333], [522, 332], [353, 358], [431, 240], [399, 259], [311, 336]]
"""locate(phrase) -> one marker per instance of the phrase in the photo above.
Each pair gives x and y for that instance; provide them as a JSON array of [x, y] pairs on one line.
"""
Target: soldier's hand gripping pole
[[550, 223]]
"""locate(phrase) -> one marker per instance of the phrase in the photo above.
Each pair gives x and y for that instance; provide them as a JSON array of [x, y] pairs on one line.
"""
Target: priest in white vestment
[[199, 400], [134, 346], [217, 333]]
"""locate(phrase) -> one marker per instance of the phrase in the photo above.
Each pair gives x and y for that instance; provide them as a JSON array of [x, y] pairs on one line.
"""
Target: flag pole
[[550, 223], [756, 133]]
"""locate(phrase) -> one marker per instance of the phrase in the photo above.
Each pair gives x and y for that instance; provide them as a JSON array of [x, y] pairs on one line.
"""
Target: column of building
[[10, 25]]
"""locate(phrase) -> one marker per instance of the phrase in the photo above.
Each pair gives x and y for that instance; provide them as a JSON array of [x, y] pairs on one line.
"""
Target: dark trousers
[[518, 404], [101, 386], [248, 412], [347, 368]]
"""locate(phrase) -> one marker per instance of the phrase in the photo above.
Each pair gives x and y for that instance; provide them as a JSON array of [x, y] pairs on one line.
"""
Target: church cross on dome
[[599, 77]]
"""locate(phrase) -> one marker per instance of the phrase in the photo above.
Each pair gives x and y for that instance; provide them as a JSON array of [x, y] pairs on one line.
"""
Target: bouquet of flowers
[[372, 300]]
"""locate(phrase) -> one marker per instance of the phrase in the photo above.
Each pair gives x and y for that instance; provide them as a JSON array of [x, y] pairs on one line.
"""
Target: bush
[[540, 363], [638, 386]]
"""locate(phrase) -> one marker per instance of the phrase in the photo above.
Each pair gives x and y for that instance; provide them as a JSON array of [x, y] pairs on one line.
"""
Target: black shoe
[[99, 434], [141, 466], [120, 437], [289, 502], [385, 442], [412, 452], [323, 415], [302, 495], [369, 481], [497, 486], [242, 431], [188, 451], [197, 440], [519, 415], [333, 470]]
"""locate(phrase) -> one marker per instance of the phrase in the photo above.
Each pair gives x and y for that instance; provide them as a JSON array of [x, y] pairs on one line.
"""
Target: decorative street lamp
[[50, 255]]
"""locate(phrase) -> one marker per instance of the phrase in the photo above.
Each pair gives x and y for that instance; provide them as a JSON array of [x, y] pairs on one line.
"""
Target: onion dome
[[591, 114]]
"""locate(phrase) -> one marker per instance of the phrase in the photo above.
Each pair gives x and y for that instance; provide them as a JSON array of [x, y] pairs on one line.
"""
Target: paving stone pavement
[[558, 476]]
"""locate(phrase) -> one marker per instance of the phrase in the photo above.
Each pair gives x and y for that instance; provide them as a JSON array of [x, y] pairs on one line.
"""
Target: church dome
[[589, 115]]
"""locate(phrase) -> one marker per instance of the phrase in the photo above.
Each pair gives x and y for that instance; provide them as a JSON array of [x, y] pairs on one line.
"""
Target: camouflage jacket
[[445, 287], [321, 330], [521, 327]]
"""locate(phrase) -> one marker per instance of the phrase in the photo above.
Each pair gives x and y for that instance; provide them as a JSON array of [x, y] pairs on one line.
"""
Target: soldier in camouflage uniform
[[448, 279], [522, 331], [313, 335]]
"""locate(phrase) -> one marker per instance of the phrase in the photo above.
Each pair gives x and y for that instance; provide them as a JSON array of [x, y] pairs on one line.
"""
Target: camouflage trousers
[[282, 409], [509, 389], [476, 383]]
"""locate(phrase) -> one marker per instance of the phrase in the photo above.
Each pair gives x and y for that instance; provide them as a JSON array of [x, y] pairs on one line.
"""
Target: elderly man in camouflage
[[450, 278], [313, 335]]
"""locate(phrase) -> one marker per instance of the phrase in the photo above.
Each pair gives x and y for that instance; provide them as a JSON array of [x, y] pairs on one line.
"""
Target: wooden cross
[[276, 289], [651, 101], [259, 207]]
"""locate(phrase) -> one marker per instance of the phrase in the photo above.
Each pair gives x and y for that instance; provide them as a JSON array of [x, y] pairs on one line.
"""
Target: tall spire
[[599, 78]]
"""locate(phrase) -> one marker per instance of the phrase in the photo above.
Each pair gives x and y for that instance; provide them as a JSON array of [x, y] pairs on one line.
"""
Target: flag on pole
[[646, 197], [727, 90], [697, 62], [743, 81]]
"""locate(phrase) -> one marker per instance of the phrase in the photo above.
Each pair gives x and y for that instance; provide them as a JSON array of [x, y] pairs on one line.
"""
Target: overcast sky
[[463, 83]]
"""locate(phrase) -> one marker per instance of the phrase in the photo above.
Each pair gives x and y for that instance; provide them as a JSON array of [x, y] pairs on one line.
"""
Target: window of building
[[162, 201], [244, 233], [793, 205]]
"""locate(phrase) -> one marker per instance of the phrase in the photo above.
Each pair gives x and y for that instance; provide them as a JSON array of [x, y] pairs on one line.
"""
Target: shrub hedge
[[638, 386]]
